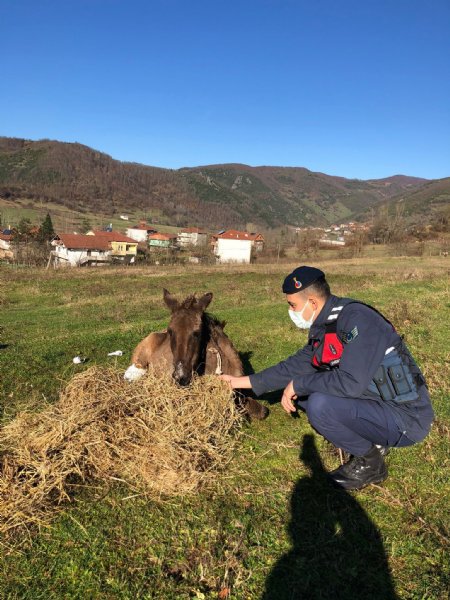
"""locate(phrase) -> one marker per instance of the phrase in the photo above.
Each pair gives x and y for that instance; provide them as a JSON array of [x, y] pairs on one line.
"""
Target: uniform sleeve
[[278, 376], [360, 357]]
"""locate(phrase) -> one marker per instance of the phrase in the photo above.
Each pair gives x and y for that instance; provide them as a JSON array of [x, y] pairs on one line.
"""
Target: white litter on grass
[[133, 373], [77, 360], [115, 353]]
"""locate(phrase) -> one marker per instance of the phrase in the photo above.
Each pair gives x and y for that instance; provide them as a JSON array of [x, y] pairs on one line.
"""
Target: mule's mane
[[213, 322], [210, 322], [189, 302]]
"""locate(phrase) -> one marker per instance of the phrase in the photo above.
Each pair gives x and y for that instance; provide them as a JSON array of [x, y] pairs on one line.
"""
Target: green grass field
[[66, 220], [272, 527]]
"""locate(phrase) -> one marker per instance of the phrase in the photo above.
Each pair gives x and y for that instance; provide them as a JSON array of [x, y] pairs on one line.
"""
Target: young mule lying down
[[194, 342]]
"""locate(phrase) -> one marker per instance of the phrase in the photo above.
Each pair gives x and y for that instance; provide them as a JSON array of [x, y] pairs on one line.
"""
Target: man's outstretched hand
[[237, 382]]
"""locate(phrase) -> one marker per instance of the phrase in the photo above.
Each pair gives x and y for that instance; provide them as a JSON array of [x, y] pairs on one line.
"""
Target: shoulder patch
[[349, 336]]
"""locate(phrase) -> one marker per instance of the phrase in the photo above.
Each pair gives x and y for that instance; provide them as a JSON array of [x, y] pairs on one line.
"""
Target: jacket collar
[[326, 310]]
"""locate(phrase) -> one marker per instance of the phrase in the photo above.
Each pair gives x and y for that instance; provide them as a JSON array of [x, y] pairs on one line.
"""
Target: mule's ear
[[204, 301], [170, 301]]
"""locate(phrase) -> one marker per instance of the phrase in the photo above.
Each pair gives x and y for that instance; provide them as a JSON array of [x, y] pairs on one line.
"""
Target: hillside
[[430, 201], [81, 179], [294, 195]]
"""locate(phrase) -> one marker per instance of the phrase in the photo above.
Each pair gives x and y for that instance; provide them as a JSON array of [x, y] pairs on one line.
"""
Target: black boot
[[359, 471], [384, 450]]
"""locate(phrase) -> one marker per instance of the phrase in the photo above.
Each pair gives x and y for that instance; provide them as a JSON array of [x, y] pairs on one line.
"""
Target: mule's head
[[187, 334]]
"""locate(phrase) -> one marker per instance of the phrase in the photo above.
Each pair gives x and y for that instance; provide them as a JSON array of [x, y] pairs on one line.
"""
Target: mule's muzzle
[[181, 375], [184, 381]]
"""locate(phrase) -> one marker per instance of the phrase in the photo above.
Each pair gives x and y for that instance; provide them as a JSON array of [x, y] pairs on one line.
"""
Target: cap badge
[[298, 284]]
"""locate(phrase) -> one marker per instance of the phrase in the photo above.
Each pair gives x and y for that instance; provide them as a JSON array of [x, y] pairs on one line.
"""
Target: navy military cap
[[301, 278]]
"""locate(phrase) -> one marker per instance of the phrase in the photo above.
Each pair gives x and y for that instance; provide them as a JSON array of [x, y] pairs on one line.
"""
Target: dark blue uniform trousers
[[353, 424]]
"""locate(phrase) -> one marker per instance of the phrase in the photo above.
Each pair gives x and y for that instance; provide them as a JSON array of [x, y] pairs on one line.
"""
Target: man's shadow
[[337, 551]]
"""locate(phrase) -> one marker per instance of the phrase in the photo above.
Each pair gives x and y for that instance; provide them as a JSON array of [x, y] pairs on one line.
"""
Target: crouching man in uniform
[[355, 379]]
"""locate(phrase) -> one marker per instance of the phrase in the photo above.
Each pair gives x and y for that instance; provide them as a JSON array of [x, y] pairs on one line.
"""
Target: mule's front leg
[[152, 351], [255, 409], [252, 407], [137, 369], [134, 372]]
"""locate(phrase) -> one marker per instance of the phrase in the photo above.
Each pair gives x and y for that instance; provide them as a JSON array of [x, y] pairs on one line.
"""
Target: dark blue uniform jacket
[[360, 359]]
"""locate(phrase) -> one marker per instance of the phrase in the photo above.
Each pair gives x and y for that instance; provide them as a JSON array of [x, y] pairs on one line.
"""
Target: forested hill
[[430, 201], [216, 196]]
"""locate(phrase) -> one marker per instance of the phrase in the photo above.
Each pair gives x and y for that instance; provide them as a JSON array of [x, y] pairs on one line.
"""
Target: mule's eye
[[196, 334], [169, 331]]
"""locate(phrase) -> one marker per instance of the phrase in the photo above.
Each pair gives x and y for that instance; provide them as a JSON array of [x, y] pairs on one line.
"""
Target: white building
[[192, 236], [236, 246], [329, 242], [228, 250], [140, 232], [5, 246], [94, 248], [76, 250]]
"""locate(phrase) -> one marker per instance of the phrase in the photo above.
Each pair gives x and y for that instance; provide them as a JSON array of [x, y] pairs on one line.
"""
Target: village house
[[257, 241], [122, 247], [140, 232], [236, 246], [76, 250], [5, 246], [192, 236], [161, 240], [95, 248], [332, 242]]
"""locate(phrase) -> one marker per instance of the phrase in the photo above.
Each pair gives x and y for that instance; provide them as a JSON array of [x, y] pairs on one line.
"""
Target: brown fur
[[191, 344]]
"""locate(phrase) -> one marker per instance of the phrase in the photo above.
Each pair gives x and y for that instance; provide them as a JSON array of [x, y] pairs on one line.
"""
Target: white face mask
[[299, 321]]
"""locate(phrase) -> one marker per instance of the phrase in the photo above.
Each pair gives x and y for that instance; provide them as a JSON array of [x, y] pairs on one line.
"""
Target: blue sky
[[358, 88]]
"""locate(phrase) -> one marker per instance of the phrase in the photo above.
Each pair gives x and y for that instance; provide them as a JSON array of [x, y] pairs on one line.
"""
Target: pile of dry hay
[[152, 434]]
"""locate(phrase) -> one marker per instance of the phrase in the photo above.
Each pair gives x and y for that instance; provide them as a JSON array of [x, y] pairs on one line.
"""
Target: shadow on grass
[[246, 363], [275, 398], [337, 551]]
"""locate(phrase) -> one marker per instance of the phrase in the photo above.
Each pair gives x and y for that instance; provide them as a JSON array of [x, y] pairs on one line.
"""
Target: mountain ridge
[[221, 195]]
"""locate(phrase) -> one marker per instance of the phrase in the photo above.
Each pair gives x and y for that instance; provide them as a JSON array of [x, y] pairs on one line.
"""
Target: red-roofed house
[[236, 246], [5, 245], [162, 240], [140, 232], [100, 247], [5, 237], [192, 236], [122, 247]]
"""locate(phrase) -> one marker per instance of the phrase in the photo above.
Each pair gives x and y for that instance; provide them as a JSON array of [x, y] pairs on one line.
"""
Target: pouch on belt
[[393, 380]]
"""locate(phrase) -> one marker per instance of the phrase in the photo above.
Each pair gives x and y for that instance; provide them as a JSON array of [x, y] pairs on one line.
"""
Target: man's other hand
[[288, 397]]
